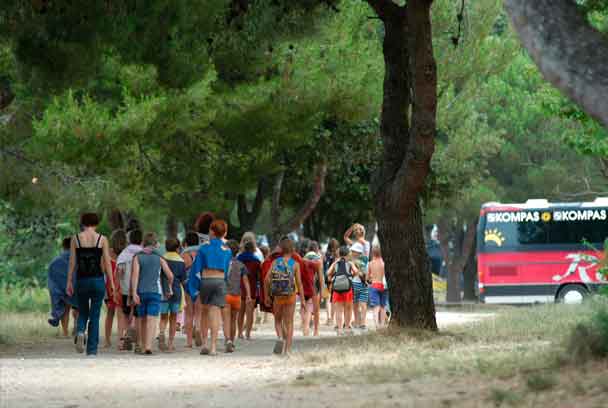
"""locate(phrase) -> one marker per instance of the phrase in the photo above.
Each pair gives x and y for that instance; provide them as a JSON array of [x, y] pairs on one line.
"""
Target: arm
[[168, 273], [299, 285], [135, 280], [267, 288], [347, 235], [331, 271], [70, 287], [245, 280], [107, 263], [320, 276]]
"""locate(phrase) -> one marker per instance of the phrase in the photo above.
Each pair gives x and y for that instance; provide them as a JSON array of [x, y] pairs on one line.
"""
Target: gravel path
[[51, 374]]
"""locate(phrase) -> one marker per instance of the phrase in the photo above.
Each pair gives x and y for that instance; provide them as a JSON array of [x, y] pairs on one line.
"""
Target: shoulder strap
[[78, 240], [98, 240]]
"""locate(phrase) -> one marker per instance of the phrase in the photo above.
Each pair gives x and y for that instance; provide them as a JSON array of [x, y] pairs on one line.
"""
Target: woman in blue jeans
[[90, 257]]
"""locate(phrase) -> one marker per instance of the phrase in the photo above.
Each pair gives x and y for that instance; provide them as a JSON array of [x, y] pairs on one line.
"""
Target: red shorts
[[346, 297]]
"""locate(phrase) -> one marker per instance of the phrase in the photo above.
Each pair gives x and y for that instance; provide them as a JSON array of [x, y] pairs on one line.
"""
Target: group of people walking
[[207, 283]]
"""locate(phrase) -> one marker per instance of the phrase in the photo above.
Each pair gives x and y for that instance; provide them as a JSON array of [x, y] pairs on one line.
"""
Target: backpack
[[282, 279], [343, 282]]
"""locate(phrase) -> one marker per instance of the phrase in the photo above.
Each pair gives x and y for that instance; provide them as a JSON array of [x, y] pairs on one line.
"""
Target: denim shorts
[[360, 292], [378, 297], [149, 304], [169, 307]]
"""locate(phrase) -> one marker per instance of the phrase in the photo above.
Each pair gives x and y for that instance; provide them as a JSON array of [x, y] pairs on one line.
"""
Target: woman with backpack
[[340, 275], [280, 291], [193, 307]]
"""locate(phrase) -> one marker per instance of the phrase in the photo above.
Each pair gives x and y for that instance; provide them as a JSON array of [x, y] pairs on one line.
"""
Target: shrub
[[20, 299], [589, 340]]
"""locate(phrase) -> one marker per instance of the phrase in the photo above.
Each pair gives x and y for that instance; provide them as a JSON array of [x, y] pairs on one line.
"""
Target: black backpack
[[342, 282]]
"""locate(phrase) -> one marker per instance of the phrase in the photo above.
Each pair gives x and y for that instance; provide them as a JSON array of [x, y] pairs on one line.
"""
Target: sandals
[[123, 344], [137, 349], [198, 338], [162, 344], [205, 351]]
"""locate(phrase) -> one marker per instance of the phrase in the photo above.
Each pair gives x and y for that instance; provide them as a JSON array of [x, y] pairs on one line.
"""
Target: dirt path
[[51, 374]]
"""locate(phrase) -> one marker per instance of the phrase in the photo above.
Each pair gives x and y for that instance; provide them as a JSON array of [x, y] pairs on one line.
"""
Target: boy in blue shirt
[[61, 303]]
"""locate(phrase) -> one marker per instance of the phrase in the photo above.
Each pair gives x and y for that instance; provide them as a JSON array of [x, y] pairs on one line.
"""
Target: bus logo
[[495, 236]]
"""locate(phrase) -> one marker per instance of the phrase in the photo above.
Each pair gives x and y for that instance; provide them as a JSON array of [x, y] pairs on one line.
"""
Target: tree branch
[[569, 52], [309, 206]]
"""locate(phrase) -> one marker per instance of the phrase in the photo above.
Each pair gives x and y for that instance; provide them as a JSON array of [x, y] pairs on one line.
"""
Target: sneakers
[[53, 322], [229, 347], [278, 347], [79, 341]]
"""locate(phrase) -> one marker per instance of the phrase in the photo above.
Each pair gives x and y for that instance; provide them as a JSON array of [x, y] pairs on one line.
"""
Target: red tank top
[[308, 278]]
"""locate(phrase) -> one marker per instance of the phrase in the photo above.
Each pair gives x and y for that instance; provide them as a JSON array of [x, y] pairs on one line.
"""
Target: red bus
[[540, 252]]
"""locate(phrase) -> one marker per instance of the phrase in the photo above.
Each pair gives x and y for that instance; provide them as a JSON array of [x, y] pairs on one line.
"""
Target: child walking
[[170, 305], [145, 285]]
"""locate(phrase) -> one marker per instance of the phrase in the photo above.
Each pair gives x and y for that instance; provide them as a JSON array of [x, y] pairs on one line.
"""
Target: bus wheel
[[572, 294]]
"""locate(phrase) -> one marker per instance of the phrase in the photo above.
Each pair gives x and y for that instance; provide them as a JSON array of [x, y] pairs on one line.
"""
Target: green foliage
[[589, 340], [21, 299]]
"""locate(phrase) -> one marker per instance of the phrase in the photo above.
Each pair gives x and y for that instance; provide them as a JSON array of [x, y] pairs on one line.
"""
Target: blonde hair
[[150, 239], [359, 231], [249, 236]]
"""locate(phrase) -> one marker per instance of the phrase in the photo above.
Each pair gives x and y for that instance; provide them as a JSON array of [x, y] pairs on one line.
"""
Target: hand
[[116, 296], [267, 301], [70, 289], [248, 299], [136, 300]]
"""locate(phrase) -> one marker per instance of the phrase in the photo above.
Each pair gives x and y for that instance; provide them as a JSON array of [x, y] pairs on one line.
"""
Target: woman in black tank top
[[90, 258]]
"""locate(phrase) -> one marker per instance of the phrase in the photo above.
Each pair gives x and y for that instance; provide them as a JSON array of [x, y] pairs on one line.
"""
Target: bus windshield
[[559, 229]]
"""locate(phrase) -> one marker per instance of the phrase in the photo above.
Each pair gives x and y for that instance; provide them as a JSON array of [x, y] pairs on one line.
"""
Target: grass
[[24, 327], [518, 341], [21, 299]]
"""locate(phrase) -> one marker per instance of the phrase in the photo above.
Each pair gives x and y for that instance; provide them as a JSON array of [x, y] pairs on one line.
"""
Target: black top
[[88, 260]]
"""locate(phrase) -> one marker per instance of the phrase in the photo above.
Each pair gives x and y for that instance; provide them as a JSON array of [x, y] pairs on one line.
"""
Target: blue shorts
[[149, 304], [360, 292], [378, 297], [169, 307]]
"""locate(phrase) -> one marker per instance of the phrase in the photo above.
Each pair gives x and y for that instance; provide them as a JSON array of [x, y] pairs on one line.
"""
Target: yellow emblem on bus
[[495, 236], [546, 217]]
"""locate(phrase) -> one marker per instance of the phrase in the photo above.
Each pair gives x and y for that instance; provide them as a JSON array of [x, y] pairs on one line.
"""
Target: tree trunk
[[116, 219], [568, 51], [172, 226], [470, 278], [410, 82], [249, 216], [456, 258]]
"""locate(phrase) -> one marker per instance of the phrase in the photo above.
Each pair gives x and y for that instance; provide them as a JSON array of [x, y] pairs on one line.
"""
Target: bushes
[[21, 299], [589, 340]]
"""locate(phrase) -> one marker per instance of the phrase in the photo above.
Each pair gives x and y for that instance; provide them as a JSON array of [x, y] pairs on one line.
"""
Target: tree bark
[[116, 219], [171, 226], [410, 82], [248, 217], [470, 278], [456, 259], [568, 51]]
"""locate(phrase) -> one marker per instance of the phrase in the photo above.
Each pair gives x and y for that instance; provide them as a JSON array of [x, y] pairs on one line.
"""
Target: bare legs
[[210, 320], [338, 309], [65, 321], [306, 314], [148, 326], [245, 319], [108, 327], [362, 306], [316, 310], [283, 315]]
